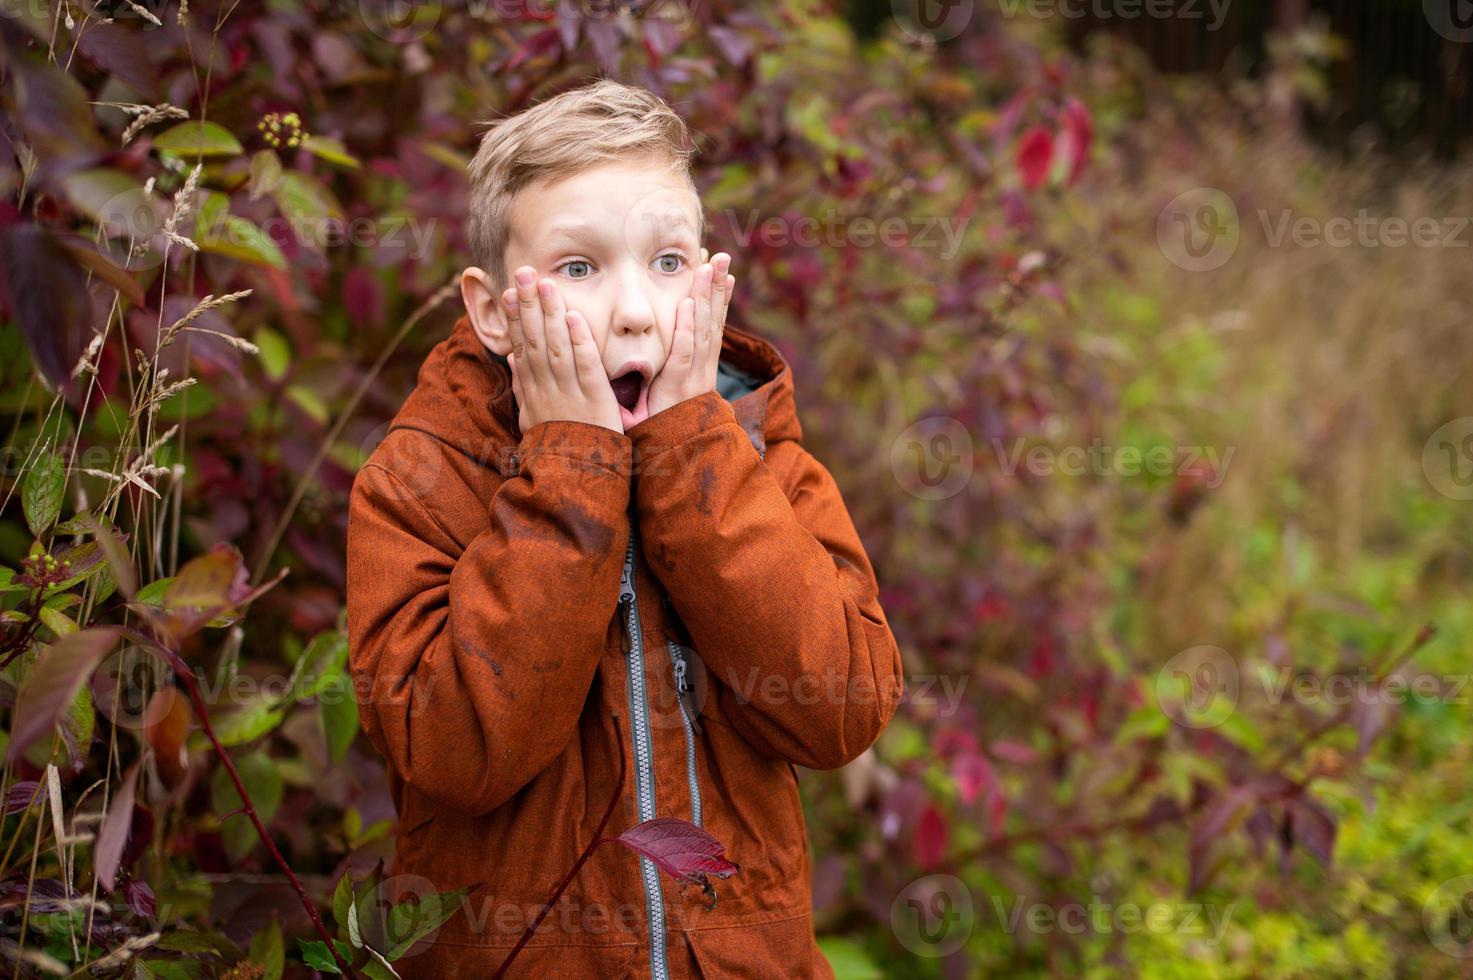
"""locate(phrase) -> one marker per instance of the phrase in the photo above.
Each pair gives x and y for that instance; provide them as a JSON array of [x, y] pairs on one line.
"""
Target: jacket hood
[[464, 394]]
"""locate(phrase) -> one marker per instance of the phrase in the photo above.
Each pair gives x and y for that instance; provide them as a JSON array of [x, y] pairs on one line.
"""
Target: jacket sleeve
[[472, 663], [762, 563]]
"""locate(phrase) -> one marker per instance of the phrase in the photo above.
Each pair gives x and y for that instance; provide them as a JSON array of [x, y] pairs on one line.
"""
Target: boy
[[594, 511]]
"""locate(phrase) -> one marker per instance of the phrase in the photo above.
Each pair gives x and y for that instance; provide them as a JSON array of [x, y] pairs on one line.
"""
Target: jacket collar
[[461, 380]]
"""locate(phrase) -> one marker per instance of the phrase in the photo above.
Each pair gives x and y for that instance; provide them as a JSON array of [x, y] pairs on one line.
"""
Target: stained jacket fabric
[[488, 654]]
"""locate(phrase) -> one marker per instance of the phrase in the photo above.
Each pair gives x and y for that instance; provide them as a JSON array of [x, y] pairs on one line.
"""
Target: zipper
[[644, 774], [681, 668]]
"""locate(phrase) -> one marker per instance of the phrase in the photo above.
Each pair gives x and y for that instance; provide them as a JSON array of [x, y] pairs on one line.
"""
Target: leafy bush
[[232, 233]]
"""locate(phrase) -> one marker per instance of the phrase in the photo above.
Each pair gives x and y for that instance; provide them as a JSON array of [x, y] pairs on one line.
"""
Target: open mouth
[[631, 390], [627, 387]]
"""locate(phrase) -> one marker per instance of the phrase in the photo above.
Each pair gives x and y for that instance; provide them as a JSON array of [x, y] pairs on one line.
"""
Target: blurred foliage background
[[1156, 423]]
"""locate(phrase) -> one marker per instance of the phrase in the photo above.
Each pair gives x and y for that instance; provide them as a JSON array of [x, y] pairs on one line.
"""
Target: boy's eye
[[674, 260], [577, 269]]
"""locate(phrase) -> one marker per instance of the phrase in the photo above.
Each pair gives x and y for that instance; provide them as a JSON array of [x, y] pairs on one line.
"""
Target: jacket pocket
[[781, 950]]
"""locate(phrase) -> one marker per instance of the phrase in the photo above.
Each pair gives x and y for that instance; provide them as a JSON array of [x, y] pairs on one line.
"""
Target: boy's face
[[619, 241]]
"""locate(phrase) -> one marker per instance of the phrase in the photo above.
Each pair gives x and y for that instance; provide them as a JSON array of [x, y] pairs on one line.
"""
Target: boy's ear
[[483, 306]]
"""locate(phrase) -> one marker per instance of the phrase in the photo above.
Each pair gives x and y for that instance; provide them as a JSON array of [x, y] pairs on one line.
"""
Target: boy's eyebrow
[[571, 230]]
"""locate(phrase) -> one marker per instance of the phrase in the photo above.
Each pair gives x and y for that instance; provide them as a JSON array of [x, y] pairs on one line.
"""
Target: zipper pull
[[626, 602], [683, 690]]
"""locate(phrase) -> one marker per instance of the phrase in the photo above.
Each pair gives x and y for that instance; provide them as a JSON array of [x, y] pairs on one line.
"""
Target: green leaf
[[306, 202], [7, 581], [249, 722], [848, 959], [198, 137], [152, 594], [342, 902], [263, 782], [61, 624], [339, 712], [409, 922], [44, 486], [316, 954], [378, 968], [265, 173], [116, 201], [268, 951], [276, 356], [236, 238], [331, 150], [325, 656]]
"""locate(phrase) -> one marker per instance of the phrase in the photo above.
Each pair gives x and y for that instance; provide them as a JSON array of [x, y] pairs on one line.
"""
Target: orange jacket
[[494, 647]]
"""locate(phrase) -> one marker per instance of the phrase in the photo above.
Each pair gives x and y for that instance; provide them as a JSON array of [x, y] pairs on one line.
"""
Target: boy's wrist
[[674, 426], [587, 446]]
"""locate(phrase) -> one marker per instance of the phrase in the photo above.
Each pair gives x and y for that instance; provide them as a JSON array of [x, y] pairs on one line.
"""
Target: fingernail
[[524, 278]]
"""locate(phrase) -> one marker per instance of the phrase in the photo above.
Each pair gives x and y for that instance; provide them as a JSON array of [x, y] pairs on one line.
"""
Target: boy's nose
[[633, 312]]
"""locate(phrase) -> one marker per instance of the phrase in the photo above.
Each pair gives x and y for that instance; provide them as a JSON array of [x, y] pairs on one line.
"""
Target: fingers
[[587, 364], [534, 325], [555, 329]]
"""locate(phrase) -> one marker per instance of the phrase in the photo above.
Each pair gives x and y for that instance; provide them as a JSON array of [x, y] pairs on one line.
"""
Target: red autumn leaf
[[1035, 153], [1076, 133], [113, 835], [681, 849], [931, 836], [52, 684], [973, 774]]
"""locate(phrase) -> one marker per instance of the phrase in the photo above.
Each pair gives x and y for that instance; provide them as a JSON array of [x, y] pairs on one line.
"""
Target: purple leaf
[[681, 849], [1314, 828], [113, 834], [140, 898], [22, 795], [49, 296], [53, 682]]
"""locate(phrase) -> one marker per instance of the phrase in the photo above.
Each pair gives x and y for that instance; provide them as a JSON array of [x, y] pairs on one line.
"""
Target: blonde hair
[[559, 137]]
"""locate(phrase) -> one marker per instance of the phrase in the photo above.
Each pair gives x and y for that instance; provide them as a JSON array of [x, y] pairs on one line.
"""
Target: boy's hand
[[690, 370], [556, 371]]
